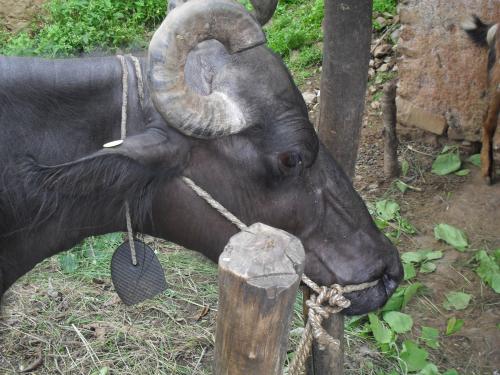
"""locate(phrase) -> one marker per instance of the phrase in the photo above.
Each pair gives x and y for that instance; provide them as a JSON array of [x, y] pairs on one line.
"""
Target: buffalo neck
[[54, 112]]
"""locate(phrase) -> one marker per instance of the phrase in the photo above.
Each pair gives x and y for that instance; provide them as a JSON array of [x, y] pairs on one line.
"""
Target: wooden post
[[391, 165], [259, 275], [346, 53]]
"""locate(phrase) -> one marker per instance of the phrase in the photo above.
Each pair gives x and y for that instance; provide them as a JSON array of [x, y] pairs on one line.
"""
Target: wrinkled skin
[[274, 172]]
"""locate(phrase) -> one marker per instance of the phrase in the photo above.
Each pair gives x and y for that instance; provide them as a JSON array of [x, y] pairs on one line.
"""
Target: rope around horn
[[327, 301]]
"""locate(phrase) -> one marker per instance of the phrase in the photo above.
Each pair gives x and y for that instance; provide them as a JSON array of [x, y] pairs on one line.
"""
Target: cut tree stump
[[259, 275]]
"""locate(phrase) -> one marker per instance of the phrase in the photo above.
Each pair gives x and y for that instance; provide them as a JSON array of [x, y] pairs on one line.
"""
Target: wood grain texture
[[346, 53], [259, 275]]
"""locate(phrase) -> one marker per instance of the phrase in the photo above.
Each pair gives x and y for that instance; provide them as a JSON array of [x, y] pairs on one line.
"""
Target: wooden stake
[[346, 53], [259, 275], [391, 165]]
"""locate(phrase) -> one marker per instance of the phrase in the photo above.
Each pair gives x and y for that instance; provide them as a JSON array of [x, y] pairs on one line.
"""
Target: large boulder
[[442, 74]]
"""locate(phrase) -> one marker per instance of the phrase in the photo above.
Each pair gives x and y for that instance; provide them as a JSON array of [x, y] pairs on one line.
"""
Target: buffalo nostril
[[390, 284]]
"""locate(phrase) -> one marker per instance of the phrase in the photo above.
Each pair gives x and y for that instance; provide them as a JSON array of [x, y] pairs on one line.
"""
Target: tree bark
[[259, 275], [346, 53]]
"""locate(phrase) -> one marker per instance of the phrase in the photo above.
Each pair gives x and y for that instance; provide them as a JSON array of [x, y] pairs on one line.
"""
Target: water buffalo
[[220, 108]]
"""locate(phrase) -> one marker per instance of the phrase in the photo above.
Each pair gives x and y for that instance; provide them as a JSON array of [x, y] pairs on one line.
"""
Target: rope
[[123, 128], [326, 300], [212, 202], [140, 82]]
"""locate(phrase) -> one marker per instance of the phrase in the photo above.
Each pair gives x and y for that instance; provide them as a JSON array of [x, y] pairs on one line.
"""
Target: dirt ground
[[465, 202]]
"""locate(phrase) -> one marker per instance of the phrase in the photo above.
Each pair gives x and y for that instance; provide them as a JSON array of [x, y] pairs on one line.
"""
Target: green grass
[[69, 27], [73, 27], [387, 6]]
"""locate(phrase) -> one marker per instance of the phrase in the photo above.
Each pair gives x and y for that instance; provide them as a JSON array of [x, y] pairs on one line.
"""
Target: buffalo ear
[[154, 148]]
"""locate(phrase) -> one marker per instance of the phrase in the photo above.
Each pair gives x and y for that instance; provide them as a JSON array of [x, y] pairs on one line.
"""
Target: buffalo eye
[[290, 162]]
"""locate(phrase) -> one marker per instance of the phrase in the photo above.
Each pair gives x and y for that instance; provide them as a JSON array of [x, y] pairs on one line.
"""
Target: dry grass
[[76, 324]]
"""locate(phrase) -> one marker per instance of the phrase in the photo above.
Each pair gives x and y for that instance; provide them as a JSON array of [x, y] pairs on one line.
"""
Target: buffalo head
[[212, 77], [223, 110]]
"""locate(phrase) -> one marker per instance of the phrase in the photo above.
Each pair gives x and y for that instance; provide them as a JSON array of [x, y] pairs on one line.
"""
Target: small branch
[[391, 166], [418, 151]]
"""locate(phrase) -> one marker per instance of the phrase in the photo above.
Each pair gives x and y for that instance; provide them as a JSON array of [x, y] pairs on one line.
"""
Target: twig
[[382, 37], [88, 347], [419, 152], [391, 165], [199, 360]]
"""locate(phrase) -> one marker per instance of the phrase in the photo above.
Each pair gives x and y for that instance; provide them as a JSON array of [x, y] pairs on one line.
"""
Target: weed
[[69, 27], [385, 6]]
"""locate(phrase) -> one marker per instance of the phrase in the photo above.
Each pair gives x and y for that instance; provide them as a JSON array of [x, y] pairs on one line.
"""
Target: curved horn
[[185, 27], [264, 10]]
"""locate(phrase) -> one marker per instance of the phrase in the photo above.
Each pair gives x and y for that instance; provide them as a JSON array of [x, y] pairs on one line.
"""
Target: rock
[[383, 68], [371, 63], [382, 50], [395, 35], [371, 73], [441, 72], [375, 104], [310, 98], [413, 116], [381, 21]]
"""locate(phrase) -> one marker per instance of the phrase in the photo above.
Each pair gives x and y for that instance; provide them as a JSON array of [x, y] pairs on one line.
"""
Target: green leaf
[[488, 269], [433, 255], [409, 271], [450, 372], [414, 356], [399, 322], [427, 267], [446, 163], [430, 337], [452, 236], [413, 257], [386, 209], [475, 159], [453, 325], [410, 291], [395, 302], [68, 262], [456, 301], [381, 333], [405, 167], [402, 187], [430, 369], [462, 172]]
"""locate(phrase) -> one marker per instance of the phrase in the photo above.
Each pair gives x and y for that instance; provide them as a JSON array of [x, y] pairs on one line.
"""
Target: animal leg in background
[[489, 128]]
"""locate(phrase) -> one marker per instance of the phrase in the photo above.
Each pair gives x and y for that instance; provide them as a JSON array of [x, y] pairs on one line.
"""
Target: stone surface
[[412, 115], [382, 50], [310, 98], [442, 74], [16, 14]]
